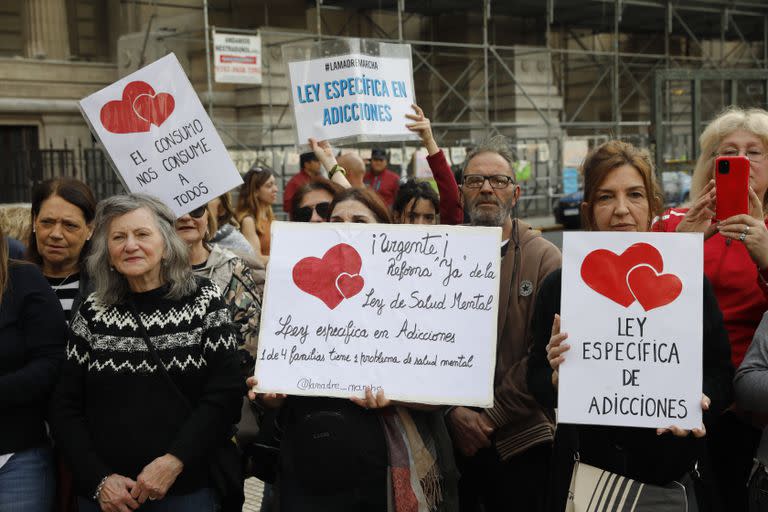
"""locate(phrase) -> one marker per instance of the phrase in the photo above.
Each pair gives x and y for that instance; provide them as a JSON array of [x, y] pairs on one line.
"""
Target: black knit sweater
[[113, 412], [33, 334]]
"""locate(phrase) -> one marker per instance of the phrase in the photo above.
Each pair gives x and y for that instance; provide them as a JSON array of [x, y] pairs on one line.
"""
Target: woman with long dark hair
[[254, 208]]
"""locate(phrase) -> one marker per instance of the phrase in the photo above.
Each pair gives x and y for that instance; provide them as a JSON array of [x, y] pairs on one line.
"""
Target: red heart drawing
[[651, 289], [349, 285], [121, 116], [155, 109], [332, 278], [606, 272]]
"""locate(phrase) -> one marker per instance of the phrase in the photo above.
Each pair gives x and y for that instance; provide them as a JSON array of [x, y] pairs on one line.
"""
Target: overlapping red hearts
[[139, 108], [332, 278], [635, 274]]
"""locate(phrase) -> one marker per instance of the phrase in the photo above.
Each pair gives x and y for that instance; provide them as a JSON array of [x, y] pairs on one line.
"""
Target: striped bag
[[595, 490]]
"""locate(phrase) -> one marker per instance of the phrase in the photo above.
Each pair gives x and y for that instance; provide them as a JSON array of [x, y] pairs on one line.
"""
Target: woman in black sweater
[[32, 338], [620, 194], [129, 436]]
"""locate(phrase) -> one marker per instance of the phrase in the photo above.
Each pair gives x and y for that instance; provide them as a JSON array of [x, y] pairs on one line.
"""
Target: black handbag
[[258, 435], [225, 470]]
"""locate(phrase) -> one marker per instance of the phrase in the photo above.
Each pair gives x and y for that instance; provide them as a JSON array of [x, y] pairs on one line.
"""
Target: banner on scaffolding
[[159, 138], [236, 58], [350, 90]]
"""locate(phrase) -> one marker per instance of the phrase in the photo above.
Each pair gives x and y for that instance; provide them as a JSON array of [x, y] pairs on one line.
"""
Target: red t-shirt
[[735, 281], [386, 184], [292, 187]]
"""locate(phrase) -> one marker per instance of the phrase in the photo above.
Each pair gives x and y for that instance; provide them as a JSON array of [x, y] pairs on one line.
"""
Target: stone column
[[46, 34]]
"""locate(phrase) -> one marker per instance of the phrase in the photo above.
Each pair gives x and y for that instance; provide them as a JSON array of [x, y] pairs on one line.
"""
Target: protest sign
[[159, 138], [357, 92], [632, 308], [237, 58], [412, 310]]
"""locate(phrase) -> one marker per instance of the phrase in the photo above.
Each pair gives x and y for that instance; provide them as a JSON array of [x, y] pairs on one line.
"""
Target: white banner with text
[[412, 310], [632, 307], [159, 137]]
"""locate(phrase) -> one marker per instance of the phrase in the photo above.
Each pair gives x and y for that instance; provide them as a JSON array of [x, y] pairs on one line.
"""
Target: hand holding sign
[[556, 348], [422, 126], [271, 400]]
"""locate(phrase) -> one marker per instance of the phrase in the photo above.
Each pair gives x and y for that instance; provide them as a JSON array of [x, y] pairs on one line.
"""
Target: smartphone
[[732, 183]]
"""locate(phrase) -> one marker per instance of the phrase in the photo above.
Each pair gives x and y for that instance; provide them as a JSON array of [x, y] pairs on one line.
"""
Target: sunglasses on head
[[197, 212], [304, 214]]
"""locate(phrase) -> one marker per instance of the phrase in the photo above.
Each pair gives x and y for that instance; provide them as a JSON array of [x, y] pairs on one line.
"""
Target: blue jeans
[[203, 500], [758, 490], [27, 481]]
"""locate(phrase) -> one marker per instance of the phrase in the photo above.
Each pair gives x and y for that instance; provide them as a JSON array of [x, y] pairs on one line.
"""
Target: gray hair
[[111, 287], [496, 144]]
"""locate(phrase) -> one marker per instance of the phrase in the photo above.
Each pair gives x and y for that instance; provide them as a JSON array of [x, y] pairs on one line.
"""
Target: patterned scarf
[[416, 479]]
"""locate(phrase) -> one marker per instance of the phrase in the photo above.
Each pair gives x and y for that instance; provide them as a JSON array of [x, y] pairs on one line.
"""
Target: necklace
[[63, 282]]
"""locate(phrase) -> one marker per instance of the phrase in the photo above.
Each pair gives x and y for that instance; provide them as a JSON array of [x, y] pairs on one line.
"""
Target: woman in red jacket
[[736, 263]]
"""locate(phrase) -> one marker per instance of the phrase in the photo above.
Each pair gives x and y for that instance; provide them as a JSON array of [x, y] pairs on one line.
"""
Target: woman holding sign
[[364, 454], [736, 263], [621, 194]]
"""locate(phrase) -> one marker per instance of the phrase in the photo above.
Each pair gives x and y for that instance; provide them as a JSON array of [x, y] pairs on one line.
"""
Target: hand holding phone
[[732, 182]]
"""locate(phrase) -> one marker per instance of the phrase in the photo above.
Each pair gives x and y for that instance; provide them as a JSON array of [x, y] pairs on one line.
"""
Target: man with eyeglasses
[[504, 452]]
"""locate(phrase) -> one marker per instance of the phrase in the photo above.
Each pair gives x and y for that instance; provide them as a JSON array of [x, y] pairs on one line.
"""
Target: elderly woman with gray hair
[[150, 387]]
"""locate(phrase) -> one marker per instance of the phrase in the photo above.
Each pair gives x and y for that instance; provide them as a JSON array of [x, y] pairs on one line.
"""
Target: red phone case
[[732, 187]]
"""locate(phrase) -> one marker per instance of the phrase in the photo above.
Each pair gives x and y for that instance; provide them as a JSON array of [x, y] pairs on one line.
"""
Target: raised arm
[[324, 153], [450, 206]]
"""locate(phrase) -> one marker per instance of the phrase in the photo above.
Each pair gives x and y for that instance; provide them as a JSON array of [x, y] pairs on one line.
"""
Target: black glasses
[[197, 212], [304, 214], [496, 181]]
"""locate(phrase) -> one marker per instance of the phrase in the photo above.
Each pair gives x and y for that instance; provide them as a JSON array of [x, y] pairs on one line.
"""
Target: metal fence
[[21, 170]]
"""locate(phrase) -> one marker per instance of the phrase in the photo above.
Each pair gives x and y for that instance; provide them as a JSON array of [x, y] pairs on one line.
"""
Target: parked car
[[676, 186], [568, 210]]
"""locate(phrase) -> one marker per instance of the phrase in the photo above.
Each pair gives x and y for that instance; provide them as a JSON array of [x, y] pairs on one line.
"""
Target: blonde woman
[[736, 263]]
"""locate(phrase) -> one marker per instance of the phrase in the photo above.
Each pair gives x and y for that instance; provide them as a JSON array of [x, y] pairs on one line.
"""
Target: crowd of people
[[129, 338]]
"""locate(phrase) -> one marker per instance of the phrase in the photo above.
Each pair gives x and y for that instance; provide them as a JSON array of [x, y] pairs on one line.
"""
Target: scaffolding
[[601, 60]]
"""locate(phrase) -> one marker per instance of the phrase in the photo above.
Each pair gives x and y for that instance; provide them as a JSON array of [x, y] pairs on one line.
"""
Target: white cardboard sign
[[352, 95], [159, 137], [237, 58], [632, 308], [412, 310]]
